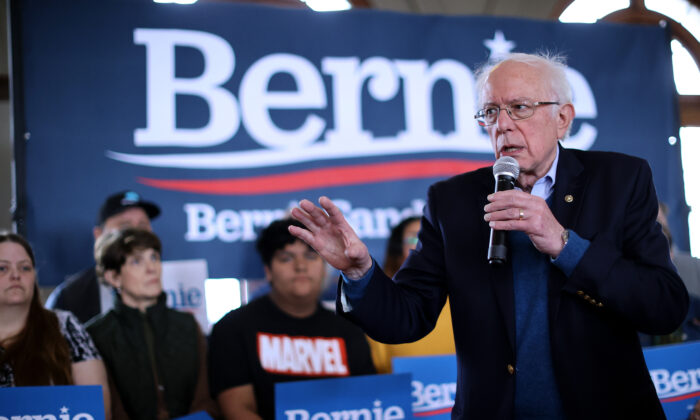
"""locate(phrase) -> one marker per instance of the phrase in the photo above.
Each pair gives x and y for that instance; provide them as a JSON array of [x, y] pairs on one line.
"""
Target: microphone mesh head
[[506, 165]]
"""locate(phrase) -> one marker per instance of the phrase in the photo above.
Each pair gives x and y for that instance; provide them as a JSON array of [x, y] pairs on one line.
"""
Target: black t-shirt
[[259, 344]]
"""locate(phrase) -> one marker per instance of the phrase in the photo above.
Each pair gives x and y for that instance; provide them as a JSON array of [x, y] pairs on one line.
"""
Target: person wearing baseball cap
[[82, 293]]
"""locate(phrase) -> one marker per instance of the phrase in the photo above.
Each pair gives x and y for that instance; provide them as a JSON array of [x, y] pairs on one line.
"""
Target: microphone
[[506, 171]]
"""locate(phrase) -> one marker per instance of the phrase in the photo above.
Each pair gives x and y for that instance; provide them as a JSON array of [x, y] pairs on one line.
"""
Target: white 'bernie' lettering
[[680, 382], [205, 223], [63, 416], [393, 412]]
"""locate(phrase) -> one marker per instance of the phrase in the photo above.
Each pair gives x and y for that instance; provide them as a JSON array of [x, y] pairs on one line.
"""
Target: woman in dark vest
[[155, 356]]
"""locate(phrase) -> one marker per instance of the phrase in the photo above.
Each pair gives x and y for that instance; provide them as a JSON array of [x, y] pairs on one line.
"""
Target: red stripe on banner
[[433, 412], [318, 178], [680, 397]]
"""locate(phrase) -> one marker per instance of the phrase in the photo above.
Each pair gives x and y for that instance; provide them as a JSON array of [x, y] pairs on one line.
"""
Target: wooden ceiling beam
[[648, 17], [559, 8], [688, 105], [637, 13], [689, 108], [360, 4]]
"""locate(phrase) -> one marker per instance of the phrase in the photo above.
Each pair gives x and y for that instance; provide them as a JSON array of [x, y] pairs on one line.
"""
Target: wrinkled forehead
[[510, 81]]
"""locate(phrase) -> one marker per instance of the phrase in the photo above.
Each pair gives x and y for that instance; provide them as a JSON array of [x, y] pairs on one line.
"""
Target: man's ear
[[268, 274], [113, 279], [565, 118], [96, 232]]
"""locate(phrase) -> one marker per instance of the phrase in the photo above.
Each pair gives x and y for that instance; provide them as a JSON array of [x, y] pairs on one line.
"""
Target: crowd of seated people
[[150, 360]]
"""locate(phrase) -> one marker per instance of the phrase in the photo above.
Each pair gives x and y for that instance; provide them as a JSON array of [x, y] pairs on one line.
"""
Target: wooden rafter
[[688, 105]]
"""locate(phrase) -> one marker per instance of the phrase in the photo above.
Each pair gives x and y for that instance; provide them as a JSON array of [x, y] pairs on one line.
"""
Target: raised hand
[[332, 237], [695, 414]]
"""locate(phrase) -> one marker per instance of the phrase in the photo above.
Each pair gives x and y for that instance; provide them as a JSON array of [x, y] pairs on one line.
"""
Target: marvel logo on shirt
[[312, 356]]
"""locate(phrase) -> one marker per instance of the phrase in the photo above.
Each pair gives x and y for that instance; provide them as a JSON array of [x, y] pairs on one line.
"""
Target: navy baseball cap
[[121, 201]]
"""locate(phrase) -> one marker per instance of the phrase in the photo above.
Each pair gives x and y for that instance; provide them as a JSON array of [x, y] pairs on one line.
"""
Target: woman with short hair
[[155, 356]]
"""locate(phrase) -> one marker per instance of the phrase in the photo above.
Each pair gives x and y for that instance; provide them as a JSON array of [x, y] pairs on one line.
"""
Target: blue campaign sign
[[52, 402], [379, 397], [228, 114], [433, 386], [675, 370]]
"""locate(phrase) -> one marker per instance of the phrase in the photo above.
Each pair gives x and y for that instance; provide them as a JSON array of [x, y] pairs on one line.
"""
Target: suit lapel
[[566, 205], [569, 189]]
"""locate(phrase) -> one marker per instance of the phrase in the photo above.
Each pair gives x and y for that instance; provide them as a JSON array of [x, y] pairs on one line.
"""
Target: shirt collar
[[544, 186]]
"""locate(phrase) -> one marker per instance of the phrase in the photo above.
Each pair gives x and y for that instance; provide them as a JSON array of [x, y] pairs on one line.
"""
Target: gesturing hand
[[695, 414], [517, 210], [332, 237]]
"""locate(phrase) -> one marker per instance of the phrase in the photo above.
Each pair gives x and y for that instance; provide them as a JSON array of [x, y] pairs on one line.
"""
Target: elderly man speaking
[[552, 332]]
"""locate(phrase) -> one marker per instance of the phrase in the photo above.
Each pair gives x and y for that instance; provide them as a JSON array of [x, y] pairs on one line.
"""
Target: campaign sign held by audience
[[675, 370], [433, 386], [183, 283], [82, 402], [371, 397]]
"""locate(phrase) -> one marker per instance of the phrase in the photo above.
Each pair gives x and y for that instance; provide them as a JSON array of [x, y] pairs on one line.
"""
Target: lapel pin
[[568, 198]]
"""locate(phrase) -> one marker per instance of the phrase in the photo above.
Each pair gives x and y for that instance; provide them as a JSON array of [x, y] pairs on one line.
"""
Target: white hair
[[553, 67]]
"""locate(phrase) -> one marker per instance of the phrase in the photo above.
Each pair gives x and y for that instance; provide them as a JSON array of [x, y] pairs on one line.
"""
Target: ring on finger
[[521, 214]]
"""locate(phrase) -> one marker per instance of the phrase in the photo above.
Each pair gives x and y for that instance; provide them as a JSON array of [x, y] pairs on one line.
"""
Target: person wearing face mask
[[39, 347], [155, 356]]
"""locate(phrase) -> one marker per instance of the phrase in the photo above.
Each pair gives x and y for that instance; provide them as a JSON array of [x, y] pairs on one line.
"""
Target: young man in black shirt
[[283, 336]]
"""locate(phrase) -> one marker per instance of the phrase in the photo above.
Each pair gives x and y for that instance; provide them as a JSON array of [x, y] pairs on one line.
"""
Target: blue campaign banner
[[433, 386], [675, 370], [228, 114], [82, 402], [369, 397]]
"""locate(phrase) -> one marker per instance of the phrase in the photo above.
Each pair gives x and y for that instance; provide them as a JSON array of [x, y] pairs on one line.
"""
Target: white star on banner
[[64, 410], [499, 46]]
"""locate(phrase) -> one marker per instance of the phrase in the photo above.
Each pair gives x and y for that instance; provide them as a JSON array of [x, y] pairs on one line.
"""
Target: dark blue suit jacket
[[624, 283]]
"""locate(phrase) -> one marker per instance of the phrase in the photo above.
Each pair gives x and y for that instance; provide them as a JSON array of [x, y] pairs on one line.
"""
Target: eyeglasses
[[516, 111]]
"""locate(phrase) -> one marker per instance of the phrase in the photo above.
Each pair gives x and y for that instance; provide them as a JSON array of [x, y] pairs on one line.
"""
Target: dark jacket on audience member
[[124, 336], [79, 293]]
